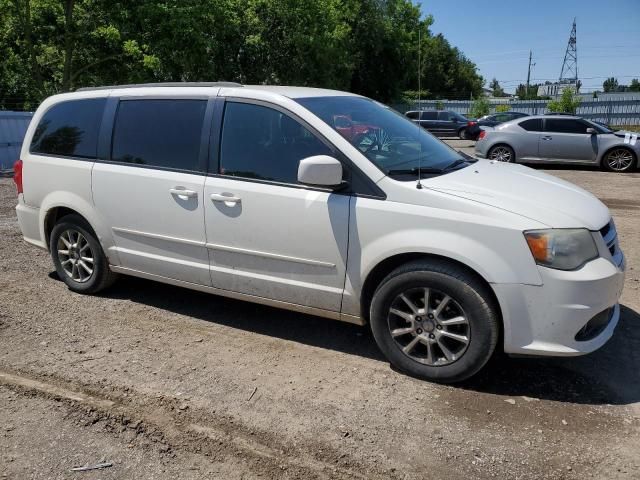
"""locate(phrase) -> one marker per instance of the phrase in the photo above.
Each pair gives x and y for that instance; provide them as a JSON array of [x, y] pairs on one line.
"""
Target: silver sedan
[[560, 139]]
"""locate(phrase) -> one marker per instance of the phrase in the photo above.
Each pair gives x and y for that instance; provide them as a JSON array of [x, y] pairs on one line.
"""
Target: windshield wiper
[[454, 164], [414, 171]]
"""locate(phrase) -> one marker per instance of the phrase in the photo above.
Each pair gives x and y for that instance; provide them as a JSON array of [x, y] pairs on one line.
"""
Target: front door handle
[[226, 198], [547, 138], [182, 192]]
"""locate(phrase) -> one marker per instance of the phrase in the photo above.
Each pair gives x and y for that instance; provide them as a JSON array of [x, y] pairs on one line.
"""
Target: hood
[[524, 191]]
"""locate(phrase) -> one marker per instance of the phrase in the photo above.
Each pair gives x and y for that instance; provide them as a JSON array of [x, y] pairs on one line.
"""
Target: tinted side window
[[70, 129], [561, 125], [429, 115], [444, 116], [263, 143], [532, 125], [502, 117], [412, 115], [161, 133]]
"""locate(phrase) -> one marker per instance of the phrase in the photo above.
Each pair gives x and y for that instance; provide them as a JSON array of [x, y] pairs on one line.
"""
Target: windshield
[[393, 143]]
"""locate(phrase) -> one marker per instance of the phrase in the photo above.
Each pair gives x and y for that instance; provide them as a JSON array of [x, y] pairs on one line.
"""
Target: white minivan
[[326, 203]]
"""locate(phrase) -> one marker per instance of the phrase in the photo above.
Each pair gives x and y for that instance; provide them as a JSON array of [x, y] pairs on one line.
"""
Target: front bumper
[[550, 319]]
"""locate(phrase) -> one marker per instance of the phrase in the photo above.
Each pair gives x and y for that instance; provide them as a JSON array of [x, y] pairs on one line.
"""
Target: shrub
[[503, 107], [568, 103], [439, 105], [479, 108]]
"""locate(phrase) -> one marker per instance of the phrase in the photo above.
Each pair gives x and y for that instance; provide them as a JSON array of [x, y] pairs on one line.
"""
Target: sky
[[498, 34]]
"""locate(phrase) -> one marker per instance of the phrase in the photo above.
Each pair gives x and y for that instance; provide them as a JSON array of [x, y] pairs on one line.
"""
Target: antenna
[[419, 185]]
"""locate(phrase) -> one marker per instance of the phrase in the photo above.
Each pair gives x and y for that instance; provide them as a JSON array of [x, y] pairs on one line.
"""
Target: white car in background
[[253, 192]]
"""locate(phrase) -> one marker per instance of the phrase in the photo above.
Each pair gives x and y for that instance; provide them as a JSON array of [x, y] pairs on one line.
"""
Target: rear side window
[[532, 125], [70, 129], [561, 125], [262, 143], [444, 116], [159, 133], [412, 115], [429, 115]]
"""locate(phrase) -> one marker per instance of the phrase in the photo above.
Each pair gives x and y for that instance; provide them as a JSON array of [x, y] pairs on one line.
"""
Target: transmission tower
[[569, 72]]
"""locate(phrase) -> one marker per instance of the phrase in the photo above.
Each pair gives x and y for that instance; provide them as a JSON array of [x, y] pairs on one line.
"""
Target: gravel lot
[[169, 383]]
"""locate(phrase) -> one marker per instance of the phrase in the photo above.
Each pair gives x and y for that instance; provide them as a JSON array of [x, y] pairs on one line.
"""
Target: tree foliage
[[479, 108], [497, 90], [568, 102], [610, 84], [503, 107], [366, 46]]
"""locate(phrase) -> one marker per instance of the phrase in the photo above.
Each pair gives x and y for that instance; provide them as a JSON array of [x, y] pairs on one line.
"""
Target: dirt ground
[[162, 382]]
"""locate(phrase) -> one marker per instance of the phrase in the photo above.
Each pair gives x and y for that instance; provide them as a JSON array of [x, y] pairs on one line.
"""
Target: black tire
[[608, 163], [495, 151], [462, 134], [100, 277], [467, 292]]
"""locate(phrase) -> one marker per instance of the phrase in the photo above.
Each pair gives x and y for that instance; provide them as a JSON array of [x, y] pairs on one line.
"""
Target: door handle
[[181, 192], [220, 197], [547, 138]]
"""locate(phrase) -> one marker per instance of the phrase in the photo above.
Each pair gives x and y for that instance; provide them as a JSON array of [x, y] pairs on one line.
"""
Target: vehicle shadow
[[607, 376]]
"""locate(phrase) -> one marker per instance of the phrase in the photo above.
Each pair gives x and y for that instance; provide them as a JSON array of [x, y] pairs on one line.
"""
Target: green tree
[[568, 102], [635, 85], [497, 90], [480, 107], [503, 107], [610, 84]]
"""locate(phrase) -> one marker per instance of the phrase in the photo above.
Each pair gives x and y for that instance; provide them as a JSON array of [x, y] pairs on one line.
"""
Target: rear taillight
[[17, 175], [471, 124], [483, 133]]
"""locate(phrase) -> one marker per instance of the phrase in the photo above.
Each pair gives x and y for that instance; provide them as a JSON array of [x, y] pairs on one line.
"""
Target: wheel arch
[[56, 213], [386, 266], [616, 147]]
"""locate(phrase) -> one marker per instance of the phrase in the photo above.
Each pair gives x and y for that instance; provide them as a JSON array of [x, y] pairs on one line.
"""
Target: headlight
[[563, 249]]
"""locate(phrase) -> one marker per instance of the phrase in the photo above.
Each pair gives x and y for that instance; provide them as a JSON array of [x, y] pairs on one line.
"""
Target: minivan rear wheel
[[78, 257], [434, 320]]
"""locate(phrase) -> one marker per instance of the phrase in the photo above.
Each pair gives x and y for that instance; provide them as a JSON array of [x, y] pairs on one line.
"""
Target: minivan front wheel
[[435, 320], [78, 257]]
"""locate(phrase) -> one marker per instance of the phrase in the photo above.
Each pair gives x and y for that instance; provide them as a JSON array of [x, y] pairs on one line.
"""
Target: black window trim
[[105, 139], [374, 190], [525, 119], [72, 157]]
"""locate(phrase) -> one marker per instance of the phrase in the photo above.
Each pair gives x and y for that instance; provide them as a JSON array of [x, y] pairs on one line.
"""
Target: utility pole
[[529, 74]]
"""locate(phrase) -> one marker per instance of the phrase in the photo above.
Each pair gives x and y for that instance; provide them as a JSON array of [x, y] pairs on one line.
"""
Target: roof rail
[[163, 84]]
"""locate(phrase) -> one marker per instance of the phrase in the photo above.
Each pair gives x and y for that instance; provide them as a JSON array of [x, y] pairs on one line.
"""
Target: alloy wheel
[[429, 326], [75, 255], [501, 154], [619, 160]]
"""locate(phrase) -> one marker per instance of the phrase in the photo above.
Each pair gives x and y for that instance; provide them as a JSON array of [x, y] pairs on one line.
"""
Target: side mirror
[[321, 171], [592, 131]]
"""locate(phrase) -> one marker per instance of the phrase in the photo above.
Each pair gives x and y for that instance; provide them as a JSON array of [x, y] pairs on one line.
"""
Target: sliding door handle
[[226, 198]]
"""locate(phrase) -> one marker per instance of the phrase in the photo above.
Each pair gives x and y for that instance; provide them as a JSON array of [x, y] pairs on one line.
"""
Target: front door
[[566, 139], [267, 235], [150, 190]]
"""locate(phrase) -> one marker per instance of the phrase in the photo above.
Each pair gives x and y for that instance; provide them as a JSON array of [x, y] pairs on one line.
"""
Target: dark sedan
[[473, 128]]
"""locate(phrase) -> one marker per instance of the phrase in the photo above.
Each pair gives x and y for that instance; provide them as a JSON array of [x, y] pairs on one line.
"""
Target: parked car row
[[549, 138]]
